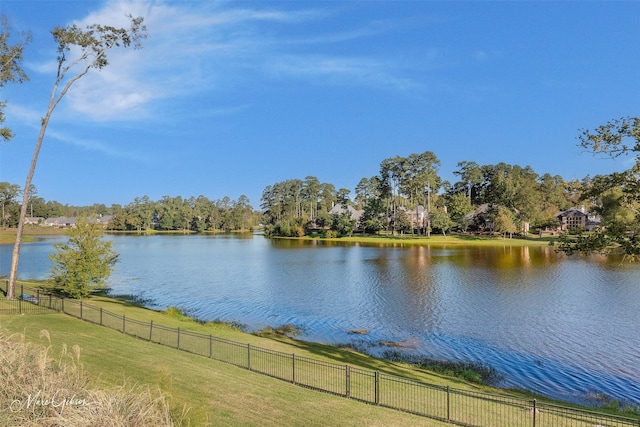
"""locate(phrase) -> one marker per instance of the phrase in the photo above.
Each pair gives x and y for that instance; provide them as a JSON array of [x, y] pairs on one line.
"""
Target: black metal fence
[[29, 303], [462, 407]]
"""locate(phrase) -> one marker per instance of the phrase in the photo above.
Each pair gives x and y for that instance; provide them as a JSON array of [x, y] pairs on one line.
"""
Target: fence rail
[[461, 407]]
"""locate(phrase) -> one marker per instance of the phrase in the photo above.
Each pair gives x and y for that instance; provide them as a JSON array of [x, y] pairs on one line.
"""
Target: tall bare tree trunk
[[94, 43], [13, 275]]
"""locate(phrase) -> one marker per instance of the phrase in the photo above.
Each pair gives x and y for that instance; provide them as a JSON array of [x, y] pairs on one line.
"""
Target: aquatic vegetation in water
[[470, 371]]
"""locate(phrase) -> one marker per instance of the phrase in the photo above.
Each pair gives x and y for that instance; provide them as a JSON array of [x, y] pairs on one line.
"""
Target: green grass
[[7, 236], [438, 240], [173, 318], [212, 392]]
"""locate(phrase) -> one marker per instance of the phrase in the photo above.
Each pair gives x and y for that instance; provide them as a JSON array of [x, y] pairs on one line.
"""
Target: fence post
[[534, 412], [347, 378], [210, 347], [448, 404], [100, 316], [376, 390], [178, 347], [124, 323], [38, 293], [150, 330], [20, 298], [249, 356], [293, 368], [81, 311], [49, 300]]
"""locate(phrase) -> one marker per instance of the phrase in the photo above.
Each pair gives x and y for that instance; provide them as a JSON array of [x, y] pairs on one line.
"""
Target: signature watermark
[[59, 400]]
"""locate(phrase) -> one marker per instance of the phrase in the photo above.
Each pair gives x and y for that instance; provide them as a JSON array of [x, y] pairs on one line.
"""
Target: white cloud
[[198, 47], [93, 145], [33, 119], [118, 92], [341, 70], [17, 113]]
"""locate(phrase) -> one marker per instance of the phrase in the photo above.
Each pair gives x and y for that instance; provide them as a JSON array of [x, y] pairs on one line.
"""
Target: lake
[[564, 327]]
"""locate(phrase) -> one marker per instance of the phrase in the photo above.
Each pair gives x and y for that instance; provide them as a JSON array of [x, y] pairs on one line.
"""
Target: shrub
[[331, 234]]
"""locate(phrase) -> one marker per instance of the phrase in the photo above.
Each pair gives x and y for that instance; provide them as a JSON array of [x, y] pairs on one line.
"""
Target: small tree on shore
[[440, 220], [84, 262], [92, 46]]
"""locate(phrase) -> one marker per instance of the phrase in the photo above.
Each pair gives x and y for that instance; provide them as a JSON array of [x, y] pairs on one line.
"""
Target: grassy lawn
[[7, 236], [439, 240], [279, 343], [213, 393]]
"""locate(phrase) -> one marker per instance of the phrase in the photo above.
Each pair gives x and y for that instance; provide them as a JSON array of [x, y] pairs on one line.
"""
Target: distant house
[[60, 222], [33, 220], [104, 219], [479, 218], [354, 214], [66, 222], [417, 217], [578, 218]]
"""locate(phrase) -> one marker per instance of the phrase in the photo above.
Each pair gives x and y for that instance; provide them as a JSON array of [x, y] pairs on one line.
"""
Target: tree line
[[409, 196], [142, 214], [187, 214]]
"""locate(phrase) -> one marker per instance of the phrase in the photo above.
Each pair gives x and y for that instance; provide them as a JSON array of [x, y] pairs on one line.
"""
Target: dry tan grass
[[39, 389]]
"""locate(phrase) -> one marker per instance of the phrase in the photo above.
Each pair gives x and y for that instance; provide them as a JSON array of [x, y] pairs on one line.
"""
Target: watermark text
[[36, 402]]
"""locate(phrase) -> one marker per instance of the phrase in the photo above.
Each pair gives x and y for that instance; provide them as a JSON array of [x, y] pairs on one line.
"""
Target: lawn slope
[[213, 393]]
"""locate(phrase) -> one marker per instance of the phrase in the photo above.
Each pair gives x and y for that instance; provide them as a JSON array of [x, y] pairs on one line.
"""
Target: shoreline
[[475, 374], [456, 239], [31, 233], [7, 236]]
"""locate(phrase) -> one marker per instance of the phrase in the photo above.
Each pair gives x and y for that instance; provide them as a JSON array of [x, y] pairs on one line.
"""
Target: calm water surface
[[564, 327]]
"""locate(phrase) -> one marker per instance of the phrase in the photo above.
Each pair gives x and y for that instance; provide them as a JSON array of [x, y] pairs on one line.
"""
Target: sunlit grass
[[442, 241], [214, 393]]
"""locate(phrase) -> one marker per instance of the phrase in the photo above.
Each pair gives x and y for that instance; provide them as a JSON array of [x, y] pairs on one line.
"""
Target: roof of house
[[61, 220], [482, 209], [573, 212], [353, 212]]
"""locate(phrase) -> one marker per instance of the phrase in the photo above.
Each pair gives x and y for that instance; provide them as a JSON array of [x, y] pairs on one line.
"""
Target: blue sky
[[227, 97]]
